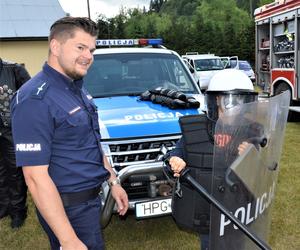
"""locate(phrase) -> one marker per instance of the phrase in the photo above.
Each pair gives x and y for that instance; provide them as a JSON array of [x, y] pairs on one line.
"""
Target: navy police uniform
[[55, 123]]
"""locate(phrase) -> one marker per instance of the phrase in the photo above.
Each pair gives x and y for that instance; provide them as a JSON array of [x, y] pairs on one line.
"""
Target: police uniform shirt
[[55, 123]]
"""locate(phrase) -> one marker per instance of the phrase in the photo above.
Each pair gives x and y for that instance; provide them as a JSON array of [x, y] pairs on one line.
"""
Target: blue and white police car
[[134, 132]]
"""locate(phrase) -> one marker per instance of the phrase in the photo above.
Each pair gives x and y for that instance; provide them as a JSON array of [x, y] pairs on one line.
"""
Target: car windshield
[[134, 73], [244, 65], [209, 64]]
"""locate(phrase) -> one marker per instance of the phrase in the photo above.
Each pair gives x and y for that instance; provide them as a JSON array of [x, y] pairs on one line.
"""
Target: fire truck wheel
[[278, 90], [281, 88]]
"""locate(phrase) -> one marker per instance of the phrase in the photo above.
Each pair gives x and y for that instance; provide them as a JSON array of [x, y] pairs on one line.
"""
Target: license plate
[[153, 208]]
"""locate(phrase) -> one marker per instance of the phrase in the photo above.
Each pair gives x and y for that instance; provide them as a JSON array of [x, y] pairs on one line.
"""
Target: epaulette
[[40, 91]]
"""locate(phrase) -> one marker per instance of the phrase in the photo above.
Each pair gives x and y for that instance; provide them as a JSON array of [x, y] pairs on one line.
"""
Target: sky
[[109, 8]]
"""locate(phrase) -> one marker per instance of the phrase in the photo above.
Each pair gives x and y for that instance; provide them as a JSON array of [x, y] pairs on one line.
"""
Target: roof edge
[[20, 39]]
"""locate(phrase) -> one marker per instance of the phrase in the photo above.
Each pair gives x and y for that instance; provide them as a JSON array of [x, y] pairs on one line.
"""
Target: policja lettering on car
[[152, 116]]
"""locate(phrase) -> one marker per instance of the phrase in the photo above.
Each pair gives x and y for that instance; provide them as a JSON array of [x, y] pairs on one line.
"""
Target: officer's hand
[[74, 245], [120, 196], [177, 165], [242, 147]]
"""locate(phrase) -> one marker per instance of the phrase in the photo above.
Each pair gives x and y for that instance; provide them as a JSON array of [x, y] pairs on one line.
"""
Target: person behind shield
[[57, 140], [227, 89]]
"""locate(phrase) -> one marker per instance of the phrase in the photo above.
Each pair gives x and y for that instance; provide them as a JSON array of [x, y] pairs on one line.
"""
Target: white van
[[203, 67]]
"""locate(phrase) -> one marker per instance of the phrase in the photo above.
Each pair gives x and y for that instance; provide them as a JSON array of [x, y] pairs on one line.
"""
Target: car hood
[[249, 72], [127, 116]]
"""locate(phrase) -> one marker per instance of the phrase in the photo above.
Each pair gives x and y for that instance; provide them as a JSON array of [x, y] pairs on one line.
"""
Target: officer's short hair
[[65, 27]]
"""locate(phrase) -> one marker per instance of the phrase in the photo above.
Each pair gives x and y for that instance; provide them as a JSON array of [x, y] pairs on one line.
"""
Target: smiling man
[[57, 141]]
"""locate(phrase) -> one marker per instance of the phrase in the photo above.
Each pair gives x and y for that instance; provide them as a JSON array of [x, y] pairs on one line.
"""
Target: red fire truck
[[277, 48]]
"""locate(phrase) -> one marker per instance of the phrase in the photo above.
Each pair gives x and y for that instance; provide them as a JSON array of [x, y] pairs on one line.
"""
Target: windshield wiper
[[134, 94], [119, 94]]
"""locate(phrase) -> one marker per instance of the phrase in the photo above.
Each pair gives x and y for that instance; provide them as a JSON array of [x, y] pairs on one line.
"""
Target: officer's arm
[[176, 158], [255, 137], [177, 165], [242, 147], [49, 204], [117, 191], [109, 169]]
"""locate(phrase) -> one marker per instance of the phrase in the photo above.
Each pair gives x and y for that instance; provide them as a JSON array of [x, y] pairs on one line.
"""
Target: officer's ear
[[54, 47]]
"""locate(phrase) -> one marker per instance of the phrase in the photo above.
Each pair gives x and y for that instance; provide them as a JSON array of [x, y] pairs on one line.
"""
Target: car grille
[[136, 152], [124, 153]]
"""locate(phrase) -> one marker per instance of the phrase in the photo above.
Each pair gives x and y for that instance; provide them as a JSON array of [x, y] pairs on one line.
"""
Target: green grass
[[286, 214], [162, 233]]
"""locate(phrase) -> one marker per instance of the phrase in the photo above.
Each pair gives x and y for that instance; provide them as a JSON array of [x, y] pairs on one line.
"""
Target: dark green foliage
[[225, 28], [248, 5], [103, 28], [181, 7], [119, 31], [155, 5], [263, 2]]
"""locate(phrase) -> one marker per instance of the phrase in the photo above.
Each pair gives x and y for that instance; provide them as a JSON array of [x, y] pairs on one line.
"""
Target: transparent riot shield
[[244, 177]]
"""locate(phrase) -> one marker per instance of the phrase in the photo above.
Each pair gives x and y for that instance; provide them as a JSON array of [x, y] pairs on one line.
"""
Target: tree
[[103, 25], [133, 25], [155, 5], [180, 7], [263, 2], [215, 26], [248, 5]]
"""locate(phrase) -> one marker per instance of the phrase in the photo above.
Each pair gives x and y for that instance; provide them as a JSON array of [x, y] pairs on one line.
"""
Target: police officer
[[13, 190], [227, 89], [57, 140]]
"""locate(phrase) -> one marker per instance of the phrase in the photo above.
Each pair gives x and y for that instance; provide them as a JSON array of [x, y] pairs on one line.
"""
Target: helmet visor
[[229, 101], [223, 101]]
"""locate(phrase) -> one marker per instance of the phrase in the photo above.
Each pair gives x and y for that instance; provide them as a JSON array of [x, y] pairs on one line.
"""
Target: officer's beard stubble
[[73, 75]]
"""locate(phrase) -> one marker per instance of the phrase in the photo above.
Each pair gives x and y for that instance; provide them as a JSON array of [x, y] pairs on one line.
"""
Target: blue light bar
[[156, 41]]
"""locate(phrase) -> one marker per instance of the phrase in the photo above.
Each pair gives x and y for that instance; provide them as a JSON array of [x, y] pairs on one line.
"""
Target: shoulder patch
[[40, 91]]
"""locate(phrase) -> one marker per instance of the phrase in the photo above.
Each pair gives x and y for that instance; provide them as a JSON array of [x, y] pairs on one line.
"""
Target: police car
[[135, 133]]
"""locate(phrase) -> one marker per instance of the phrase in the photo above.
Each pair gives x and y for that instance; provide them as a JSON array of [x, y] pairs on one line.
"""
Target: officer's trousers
[[85, 220], [13, 190]]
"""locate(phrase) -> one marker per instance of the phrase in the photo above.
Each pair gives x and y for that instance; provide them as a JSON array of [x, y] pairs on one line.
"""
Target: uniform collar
[[61, 80]]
